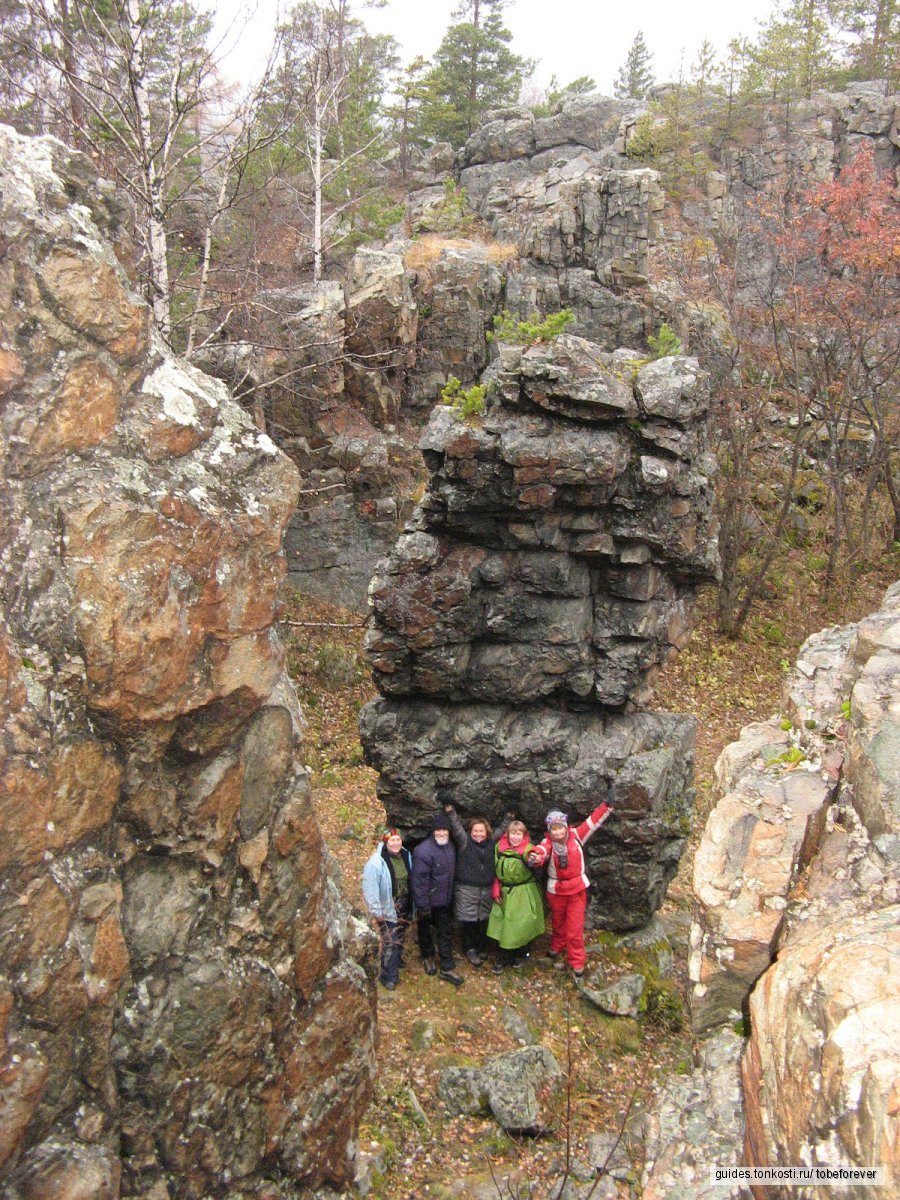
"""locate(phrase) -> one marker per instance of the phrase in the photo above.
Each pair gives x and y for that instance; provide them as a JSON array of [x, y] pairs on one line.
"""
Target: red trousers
[[567, 920]]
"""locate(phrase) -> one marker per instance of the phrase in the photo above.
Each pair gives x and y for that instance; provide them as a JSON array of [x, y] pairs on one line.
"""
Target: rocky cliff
[[534, 214], [184, 1009], [518, 624], [796, 935]]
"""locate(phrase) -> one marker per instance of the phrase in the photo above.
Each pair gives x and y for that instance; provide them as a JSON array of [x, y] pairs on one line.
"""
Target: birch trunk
[[157, 238]]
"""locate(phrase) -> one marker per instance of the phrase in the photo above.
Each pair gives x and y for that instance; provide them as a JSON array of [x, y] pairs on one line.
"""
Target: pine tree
[[704, 69], [474, 71], [635, 77], [795, 53], [411, 91], [875, 51]]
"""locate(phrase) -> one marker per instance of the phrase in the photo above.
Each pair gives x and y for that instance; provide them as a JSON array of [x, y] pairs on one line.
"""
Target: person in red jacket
[[567, 881]]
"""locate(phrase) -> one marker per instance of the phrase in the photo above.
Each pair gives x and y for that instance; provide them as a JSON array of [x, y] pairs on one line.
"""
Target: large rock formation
[[523, 614], [183, 1009], [797, 901], [558, 213], [822, 1065]]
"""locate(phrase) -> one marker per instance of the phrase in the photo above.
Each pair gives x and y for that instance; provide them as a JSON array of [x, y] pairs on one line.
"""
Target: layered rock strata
[[184, 1009], [522, 616]]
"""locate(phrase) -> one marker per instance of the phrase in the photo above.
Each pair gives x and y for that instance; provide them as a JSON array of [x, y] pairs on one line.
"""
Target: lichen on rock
[[185, 1004]]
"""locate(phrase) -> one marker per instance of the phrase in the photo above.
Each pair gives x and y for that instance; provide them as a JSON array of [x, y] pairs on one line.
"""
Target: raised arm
[[457, 829], [591, 824]]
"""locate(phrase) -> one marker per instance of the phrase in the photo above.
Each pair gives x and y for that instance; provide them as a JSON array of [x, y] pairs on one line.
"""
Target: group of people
[[488, 882]]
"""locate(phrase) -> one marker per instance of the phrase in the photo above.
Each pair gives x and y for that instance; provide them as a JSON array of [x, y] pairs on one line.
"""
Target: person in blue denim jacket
[[387, 891]]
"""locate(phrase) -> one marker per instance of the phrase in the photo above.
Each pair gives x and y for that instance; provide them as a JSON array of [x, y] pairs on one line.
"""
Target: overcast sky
[[568, 37]]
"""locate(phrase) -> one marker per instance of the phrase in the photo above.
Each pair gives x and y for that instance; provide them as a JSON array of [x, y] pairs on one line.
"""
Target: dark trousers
[[473, 935], [391, 948], [437, 926]]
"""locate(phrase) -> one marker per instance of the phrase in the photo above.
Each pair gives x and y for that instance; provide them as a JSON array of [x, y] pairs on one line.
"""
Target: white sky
[[568, 37]]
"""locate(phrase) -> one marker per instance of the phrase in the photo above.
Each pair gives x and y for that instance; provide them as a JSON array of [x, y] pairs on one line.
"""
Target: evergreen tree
[[635, 77], [875, 50], [795, 53], [582, 86], [474, 71], [704, 68], [412, 92]]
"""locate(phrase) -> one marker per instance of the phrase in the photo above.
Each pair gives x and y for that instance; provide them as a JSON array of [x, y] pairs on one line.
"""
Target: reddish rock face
[[177, 967]]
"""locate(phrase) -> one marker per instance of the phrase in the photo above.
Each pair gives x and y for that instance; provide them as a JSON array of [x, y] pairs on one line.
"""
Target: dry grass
[[426, 250]]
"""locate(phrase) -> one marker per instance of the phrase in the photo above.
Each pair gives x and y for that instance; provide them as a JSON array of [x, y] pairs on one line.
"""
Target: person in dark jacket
[[472, 893], [433, 869]]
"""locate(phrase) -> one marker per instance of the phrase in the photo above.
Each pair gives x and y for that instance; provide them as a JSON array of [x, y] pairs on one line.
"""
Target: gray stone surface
[[537, 589], [619, 999], [521, 1089], [487, 758], [457, 295], [695, 1122]]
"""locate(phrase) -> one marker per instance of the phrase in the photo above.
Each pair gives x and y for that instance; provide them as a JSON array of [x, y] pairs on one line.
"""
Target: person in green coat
[[517, 915]]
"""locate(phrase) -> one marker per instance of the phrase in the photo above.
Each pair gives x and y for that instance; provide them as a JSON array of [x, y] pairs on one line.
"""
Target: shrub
[[508, 328], [665, 343], [467, 403]]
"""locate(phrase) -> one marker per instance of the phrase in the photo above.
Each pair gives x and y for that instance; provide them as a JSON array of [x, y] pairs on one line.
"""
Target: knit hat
[[390, 832], [440, 822], [555, 817]]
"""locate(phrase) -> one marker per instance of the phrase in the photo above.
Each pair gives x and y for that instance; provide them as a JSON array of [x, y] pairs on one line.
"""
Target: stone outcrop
[[776, 820], [797, 908], [382, 319], [696, 1123], [765, 829], [458, 293], [822, 1068], [522, 616], [184, 1006]]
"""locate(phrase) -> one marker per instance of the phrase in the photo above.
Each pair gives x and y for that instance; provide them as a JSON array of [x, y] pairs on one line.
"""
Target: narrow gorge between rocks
[[188, 999]]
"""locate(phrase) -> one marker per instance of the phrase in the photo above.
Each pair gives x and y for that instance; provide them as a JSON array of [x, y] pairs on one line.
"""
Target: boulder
[[591, 120], [536, 758], [619, 999], [521, 1089], [763, 831], [186, 1002]]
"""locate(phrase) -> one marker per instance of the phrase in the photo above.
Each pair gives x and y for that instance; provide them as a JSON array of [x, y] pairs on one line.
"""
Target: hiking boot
[[429, 966], [578, 976], [474, 958], [498, 967], [452, 977], [387, 984]]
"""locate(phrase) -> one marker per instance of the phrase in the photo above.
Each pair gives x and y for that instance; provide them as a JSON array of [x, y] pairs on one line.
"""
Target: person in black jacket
[[472, 893], [433, 869]]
